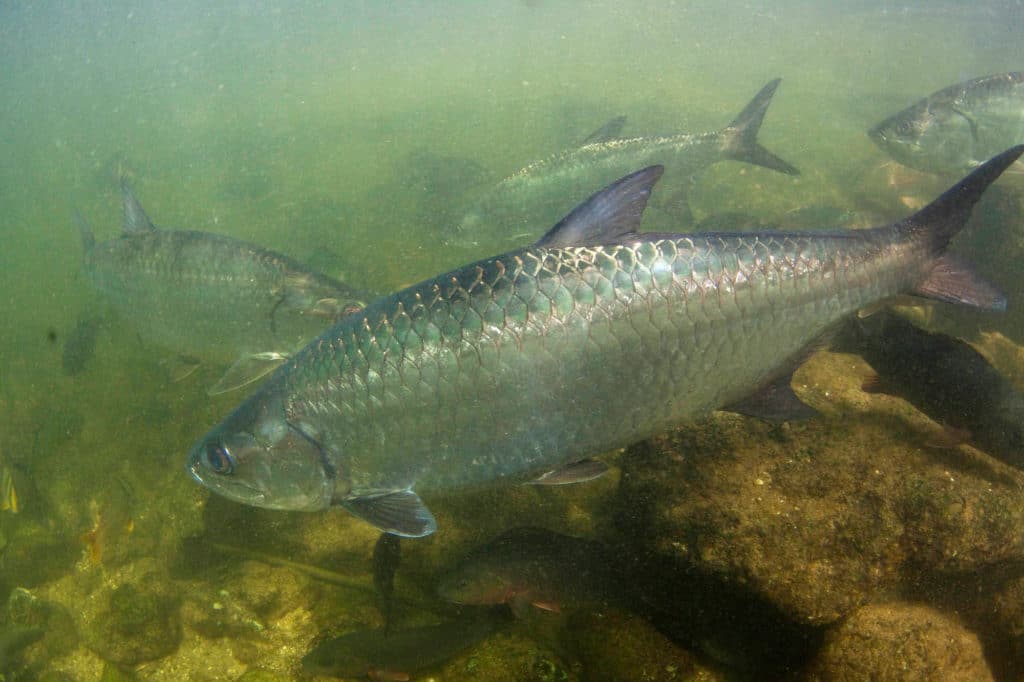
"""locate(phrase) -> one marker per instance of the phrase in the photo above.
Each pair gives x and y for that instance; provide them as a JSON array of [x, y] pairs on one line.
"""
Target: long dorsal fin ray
[[135, 218], [613, 212]]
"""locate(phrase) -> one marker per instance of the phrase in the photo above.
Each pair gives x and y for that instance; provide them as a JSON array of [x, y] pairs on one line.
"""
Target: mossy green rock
[[900, 642], [139, 624]]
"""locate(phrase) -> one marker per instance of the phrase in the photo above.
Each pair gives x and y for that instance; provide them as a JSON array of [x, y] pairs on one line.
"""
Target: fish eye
[[219, 459]]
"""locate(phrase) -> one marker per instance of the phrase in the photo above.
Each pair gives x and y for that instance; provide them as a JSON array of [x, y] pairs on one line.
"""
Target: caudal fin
[[741, 134], [938, 222]]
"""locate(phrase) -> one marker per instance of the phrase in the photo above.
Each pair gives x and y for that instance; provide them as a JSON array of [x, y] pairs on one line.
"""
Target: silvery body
[[540, 193], [957, 128], [593, 338]]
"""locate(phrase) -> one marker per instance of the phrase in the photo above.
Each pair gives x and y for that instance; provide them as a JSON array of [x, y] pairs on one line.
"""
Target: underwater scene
[[523, 340]]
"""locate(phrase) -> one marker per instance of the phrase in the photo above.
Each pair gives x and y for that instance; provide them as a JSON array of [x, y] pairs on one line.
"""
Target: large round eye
[[219, 459]]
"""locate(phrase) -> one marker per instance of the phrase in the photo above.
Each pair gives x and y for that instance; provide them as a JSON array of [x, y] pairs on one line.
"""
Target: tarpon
[[542, 192], [955, 129], [593, 338], [211, 296]]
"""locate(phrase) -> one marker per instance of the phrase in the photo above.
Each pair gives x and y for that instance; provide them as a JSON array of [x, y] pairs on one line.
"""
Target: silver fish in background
[[956, 129], [542, 192], [211, 296], [593, 338]]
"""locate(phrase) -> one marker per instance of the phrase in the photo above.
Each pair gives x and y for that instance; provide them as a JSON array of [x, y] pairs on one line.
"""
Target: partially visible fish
[[594, 337], [80, 344], [395, 656], [534, 567], [539, 194], [956, 129], [944, 377], [212, 296], [387, 555]]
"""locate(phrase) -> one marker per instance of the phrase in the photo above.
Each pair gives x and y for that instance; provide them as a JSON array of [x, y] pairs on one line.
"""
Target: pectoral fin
[[400, 513], [577, 472], [247, 369]]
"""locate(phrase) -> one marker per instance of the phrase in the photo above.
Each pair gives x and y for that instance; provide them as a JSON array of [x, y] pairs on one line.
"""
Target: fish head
[[258, 457], [478, 584], [929, 138]]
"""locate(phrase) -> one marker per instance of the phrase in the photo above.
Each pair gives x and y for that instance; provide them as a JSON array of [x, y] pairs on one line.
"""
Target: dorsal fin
[[609, 131], [613, 212], [135, 219]]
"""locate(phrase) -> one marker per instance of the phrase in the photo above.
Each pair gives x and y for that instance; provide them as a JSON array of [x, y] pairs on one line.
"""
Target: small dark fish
[[956, 129], [387, 555], [379, 656], [534, 567], [943, 377], [80, 345]]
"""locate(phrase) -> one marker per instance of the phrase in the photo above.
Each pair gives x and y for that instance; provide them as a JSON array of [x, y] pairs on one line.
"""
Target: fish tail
[[938, 222], [741, 135], [88, 240]]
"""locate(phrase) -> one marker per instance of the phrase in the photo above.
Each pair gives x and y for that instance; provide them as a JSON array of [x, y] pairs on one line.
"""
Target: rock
[[818, 517], [899, 642], [139, 623], [639, 653]]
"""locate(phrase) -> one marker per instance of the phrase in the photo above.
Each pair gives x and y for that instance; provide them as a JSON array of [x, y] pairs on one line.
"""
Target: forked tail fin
[[942, 219], [741, 134]]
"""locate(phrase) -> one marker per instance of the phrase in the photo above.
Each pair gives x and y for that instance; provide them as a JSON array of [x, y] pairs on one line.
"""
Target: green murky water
[[348, 135]]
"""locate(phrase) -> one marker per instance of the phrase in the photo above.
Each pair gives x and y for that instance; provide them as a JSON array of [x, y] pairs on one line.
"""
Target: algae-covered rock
[[139, 623], [615, 645], [509, 657], [257, 675], [820, 516], [35, 553], [903, 642]]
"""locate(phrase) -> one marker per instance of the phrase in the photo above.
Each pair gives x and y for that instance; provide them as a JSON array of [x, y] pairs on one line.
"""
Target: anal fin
[[400, 513], [952, 281], [775, 402]]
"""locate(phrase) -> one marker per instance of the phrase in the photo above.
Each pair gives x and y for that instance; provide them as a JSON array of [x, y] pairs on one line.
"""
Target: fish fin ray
[[576, 472], [247, 369], [611, 213], [741, 134], [609, 131], [953, 281], [135, 218], [400, 513]]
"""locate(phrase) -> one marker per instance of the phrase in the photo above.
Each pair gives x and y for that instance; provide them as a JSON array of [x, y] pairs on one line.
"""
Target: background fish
[[542, 192], [80, 344], [211, 296], [945, 378], [957, 128], [534, 567], [380, 656], [593, 338]]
